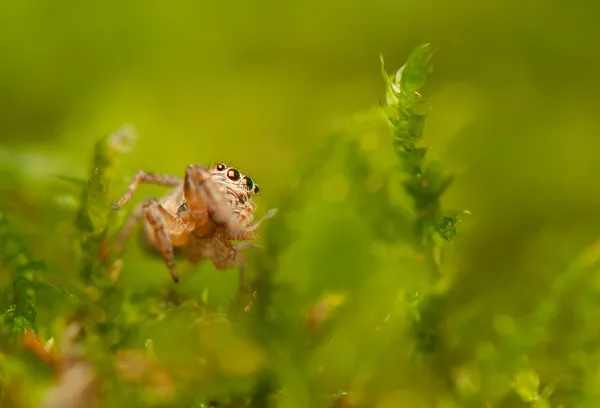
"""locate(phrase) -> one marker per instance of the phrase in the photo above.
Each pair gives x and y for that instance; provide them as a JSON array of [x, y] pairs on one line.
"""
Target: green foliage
[[26, 271], [95, 213], [425, 183]]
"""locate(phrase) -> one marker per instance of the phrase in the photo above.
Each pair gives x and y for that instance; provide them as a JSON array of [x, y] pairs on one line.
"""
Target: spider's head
[[234, 181]]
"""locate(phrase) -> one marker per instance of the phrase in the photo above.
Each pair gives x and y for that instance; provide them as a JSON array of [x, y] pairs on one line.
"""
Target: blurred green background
[[513, 115]]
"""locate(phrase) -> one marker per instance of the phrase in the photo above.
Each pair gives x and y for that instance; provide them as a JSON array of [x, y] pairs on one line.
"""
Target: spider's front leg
[[207, 203], [249, 233]]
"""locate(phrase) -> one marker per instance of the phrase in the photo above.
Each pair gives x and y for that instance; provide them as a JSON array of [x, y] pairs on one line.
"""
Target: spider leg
[[150, 178], [203, 195], [270, 214], [249, 233], [160, 222]]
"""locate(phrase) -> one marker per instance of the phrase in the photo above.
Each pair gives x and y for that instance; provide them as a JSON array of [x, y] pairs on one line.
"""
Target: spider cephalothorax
[[205, 212], [237, 188]]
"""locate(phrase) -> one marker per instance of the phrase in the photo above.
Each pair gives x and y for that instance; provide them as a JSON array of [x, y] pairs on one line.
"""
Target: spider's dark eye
[[256, 189], [233, 174], [220, 167], [249, 183]]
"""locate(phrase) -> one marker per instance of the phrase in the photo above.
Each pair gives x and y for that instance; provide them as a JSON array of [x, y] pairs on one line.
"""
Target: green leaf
[[413, 75], [24, 312], [447, 225], [526, 384]]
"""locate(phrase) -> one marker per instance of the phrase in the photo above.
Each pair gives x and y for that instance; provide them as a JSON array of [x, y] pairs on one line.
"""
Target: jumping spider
[[203, 215]]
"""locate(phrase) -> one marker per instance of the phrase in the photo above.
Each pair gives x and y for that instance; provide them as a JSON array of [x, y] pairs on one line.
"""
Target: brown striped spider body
[[205, 213]]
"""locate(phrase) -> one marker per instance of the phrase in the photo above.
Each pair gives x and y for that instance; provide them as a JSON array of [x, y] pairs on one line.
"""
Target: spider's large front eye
[[233, 174], [256, 189], [249, 183], [220, 167]]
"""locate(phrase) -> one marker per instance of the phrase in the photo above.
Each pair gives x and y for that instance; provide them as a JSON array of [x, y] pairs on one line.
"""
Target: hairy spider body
[[204, 214]]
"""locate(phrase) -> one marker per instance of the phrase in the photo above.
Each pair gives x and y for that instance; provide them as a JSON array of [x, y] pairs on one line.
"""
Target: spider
[[204, 213]]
